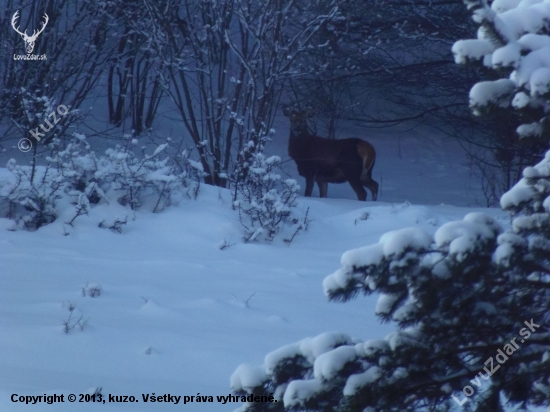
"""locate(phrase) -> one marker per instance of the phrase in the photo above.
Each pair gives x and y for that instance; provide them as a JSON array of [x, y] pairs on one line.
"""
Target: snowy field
[[160, 309], [176, 315]]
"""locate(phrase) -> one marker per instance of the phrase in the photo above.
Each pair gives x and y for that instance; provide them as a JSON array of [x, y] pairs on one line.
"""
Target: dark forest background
[[223, 69]]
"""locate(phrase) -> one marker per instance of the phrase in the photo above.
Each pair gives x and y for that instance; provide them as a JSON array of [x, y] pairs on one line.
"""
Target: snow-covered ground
[[176, 315]]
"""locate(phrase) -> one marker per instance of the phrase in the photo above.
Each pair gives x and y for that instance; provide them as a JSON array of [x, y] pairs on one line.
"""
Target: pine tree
[[513, 45], [471, 302]]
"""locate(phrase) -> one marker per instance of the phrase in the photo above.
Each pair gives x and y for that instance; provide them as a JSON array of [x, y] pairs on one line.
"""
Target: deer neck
[[299, 142], [299, 135]]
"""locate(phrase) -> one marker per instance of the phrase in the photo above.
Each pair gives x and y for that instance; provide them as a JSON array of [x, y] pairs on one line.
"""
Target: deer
[[327, 161], [29, 40]]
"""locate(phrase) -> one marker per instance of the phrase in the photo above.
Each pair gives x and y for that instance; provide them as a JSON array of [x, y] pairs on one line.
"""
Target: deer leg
[[358, 188], [372, 185], [323, 188], [309, 185]]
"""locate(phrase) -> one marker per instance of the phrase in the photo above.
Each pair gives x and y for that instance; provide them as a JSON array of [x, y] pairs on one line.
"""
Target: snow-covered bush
[[31, 193], [43, 117], [114, 224], [264, 201], [36, 108], [124, 175], [31, 200], [92, 290], [75, 171], [77, 163], [131, 178], [75, 319]]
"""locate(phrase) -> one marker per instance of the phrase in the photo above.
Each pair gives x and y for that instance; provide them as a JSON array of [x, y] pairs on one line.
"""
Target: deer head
[[29, 40], [298, 120]]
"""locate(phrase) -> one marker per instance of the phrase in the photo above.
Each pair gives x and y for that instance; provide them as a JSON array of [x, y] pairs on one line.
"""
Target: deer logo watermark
[[29, 40]]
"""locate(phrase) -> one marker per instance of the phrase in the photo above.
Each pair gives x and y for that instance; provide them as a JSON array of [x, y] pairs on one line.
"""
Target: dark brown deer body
[[330, 161]]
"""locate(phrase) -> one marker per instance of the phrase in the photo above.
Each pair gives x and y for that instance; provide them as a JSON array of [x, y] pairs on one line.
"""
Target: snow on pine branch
[[397, 248], [471, 50], [491, 93], [400, 257], [317, 371], [321, 358], [513, 40], [532, 192]]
